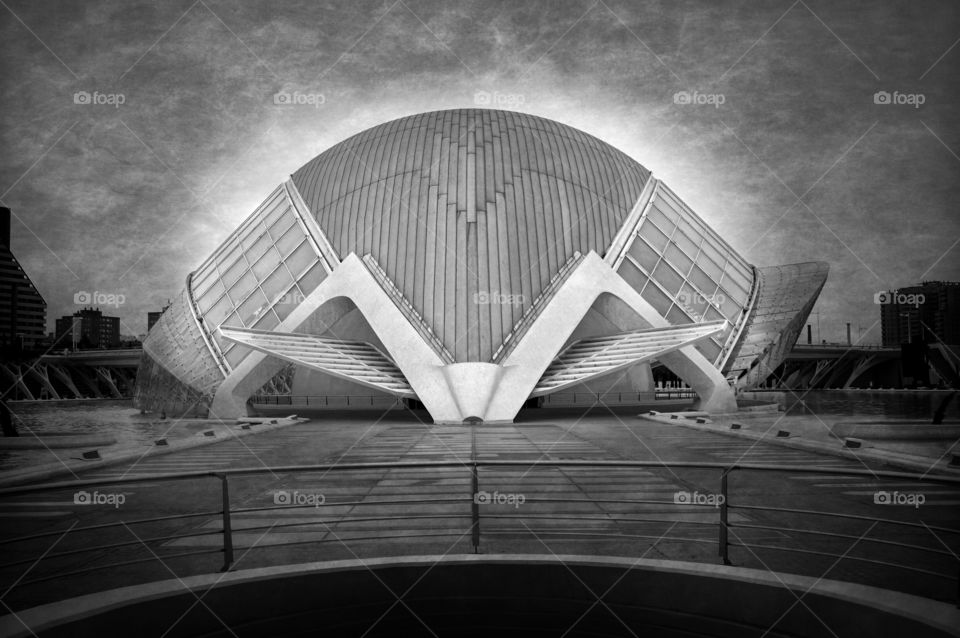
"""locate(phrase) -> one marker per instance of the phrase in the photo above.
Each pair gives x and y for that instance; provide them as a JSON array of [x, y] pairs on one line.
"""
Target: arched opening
[[608, 315]]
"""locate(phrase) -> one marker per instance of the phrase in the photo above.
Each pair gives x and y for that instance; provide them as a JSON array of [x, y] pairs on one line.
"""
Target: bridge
[[842, 366], [112, 373], [83, 374]]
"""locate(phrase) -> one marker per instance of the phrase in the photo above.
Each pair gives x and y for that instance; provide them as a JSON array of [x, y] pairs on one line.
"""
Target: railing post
[[475, 483], [475, 510], [227, 531], [723, 547]]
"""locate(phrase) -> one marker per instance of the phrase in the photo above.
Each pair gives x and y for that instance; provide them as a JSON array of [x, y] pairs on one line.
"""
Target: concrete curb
[[929, 614], [56, 441], [906, 461], [225, 432]]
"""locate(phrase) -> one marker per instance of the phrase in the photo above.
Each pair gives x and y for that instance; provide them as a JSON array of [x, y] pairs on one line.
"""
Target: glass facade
[[686, 271], [258, 276]]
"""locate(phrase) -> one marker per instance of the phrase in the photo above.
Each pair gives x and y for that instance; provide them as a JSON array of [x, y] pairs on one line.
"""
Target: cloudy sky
[[138, 134]]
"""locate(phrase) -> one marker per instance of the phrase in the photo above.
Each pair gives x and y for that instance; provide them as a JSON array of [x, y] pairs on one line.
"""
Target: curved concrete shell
[[461, 205], [470, 260]]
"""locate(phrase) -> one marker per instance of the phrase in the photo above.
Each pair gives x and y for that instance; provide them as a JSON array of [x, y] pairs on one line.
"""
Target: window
[[242, 288], [267, 263], [312, 278], [678, 259], [657, 299], [643, 254], [276, 284], [208, 298], [300, 259], [678, 316], [656, 215], [632, 275], [686, 242], [667, 277], [251, 309]]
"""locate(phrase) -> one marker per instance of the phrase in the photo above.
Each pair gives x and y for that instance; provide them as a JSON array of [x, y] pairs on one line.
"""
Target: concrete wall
[[496, 595]]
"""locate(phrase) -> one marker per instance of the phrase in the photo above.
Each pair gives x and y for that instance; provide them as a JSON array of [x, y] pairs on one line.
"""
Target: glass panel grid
[[251, 269], [691, 289]]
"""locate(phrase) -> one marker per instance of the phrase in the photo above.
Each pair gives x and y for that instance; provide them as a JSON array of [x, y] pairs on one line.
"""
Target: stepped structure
[[471, 260]]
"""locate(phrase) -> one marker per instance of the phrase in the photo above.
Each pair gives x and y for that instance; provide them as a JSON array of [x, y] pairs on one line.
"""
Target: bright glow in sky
[[789, 156]]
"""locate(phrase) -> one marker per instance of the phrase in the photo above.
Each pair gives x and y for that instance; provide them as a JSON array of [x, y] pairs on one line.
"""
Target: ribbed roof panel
[[471, 212]]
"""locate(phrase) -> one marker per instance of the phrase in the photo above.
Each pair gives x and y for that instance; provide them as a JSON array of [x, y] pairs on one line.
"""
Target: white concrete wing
[[598, 356], [453, 392], [353, 360]]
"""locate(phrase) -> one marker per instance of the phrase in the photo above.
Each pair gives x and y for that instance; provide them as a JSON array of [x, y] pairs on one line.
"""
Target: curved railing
[[782, 527]]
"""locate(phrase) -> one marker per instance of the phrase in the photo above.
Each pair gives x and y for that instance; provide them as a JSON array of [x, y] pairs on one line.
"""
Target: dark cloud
[[129, 198]]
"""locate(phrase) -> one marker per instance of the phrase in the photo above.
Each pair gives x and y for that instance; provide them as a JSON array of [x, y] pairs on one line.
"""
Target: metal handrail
[[370, 399], [341, 467], [324, 399], [473, 467]]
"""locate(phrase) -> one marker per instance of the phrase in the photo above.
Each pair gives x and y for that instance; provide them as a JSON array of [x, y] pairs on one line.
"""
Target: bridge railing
[[477, 510], [843, 346], [559, 399]]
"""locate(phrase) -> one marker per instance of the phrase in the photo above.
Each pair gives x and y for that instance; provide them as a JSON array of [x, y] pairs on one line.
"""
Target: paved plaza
[[527, 504]]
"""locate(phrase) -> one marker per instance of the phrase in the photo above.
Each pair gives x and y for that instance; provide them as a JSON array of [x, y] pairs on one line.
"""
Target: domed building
[[473, 262]]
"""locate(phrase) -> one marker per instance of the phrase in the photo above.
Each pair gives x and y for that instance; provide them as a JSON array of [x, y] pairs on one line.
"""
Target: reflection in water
[[877, 404], [116, 418]]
